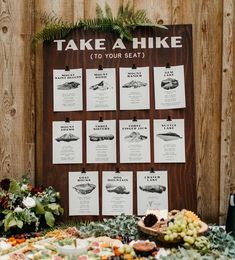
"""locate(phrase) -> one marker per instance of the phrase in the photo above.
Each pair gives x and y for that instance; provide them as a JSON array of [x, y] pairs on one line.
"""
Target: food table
[[117, 238]]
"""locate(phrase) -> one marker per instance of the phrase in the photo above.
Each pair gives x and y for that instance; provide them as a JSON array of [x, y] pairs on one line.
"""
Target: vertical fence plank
[[90, 7], [227, 106], [207, 82], [159, 11], [16, 92], [78, 7], [207, 30], [232, 189], [68, 11], [182, 12]]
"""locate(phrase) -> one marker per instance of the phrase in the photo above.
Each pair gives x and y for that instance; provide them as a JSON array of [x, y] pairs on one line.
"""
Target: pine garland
[[126, 20]]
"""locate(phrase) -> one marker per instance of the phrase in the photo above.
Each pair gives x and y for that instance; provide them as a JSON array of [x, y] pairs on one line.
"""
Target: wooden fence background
[[214, 57]]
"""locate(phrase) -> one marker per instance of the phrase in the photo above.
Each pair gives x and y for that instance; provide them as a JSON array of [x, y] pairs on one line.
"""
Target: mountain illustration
[[84, 188], [135, 137], [118, 189], [97, 137], [134, 84], [67, 138], [169, 83], [68, 85], [153, 188], [101, 86]]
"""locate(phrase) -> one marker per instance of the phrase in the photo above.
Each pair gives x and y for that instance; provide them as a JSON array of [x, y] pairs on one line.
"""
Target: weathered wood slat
[[78, 7], [227, 103], [159, 11], [182, 13], [90, 6], [233, 113], [69, 12], [207, 80], [16, 92]]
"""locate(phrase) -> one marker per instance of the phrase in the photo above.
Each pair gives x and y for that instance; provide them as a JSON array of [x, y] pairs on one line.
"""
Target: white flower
[[24, 187], [29, 202], [18, 209]]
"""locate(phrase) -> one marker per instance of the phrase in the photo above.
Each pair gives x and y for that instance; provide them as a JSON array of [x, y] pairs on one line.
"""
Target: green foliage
[[126, 20], [16, 219], [14, 187], [108, 11], [22, 206], [122, 225], [99, 12], [50, 220], [222, 241], [222, 247]]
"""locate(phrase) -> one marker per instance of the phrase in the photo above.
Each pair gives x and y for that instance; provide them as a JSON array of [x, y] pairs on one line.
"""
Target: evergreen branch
[[126, 20]]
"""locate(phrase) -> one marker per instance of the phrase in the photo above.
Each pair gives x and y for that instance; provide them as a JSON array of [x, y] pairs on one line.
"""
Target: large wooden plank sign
[[151, 47]]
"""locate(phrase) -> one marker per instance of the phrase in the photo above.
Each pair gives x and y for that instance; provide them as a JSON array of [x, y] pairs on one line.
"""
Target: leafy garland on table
[[121, 226], [127, 19]]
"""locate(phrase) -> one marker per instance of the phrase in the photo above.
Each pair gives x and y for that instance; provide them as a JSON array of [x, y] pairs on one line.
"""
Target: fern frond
[[140, 16], [126, 20], [108, 11], [54, 31], [99, 11], [123, 32], [48, 18]]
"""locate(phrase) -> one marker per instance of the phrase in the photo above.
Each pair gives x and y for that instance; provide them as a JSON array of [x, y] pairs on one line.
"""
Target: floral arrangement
[[23, 206]]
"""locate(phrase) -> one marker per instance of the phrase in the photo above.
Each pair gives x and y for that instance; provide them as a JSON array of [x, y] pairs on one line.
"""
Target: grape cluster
[[126, 249], [202, 243], [182, 227]]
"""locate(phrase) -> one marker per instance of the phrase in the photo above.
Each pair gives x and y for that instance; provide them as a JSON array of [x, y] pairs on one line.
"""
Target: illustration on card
[[67, 90], [67, 142], [134, 141], [101, 86], [134, 88], [97, 137], [117, 192], [169, 87], [134, 84], [101, 89], [101, 141], [169, 141], [118, 189], [169, 83], [67, 138], [135, 137], [153, 188], [83, 193], [84, 188], [169, 136], [68, 85]]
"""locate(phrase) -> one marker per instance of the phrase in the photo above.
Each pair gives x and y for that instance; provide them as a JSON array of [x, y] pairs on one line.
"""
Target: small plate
[[80, 249]]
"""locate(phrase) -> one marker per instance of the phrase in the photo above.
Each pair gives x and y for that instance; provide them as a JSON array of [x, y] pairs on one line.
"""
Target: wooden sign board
[[157, 48]]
